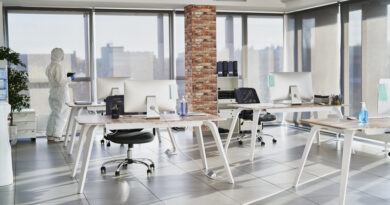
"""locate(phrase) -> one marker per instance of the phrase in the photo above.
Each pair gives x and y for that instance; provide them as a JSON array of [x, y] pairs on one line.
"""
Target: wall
[[200, 58]]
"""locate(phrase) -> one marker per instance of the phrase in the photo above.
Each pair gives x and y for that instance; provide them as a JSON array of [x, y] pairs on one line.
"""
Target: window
[[229, 39], [34, 35], [368, 46], [317, 50], [180, 54], [265, 51], [355, 61], [132, 45]]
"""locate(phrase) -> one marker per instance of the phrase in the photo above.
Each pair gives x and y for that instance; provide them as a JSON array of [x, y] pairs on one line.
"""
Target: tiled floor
[[42, 174]]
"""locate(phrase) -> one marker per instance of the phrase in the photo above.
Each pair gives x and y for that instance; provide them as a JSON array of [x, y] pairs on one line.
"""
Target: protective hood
[[57, 55]]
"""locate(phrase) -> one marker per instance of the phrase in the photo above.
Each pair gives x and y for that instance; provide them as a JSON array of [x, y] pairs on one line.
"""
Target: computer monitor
[[110, 86], [281, 82], [137, 91]]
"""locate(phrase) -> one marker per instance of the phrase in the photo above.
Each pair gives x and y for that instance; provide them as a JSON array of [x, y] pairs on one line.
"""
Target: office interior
[[189, 102]]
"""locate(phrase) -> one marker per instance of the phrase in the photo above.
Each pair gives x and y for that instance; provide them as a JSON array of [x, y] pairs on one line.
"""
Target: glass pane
[[229, 39], [355, 61], [64, 30], [265, 52], [132, 45], [308, 40], [180, 54]]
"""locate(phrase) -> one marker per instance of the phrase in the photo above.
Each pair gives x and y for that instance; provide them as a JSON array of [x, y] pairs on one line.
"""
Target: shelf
[[226, 101], [228, 77]]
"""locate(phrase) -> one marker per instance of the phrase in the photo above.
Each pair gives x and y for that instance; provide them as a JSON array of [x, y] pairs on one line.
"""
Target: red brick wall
[[200, 58]]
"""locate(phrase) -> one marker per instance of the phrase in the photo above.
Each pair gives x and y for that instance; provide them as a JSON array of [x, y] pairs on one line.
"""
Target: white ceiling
[[230, 5]]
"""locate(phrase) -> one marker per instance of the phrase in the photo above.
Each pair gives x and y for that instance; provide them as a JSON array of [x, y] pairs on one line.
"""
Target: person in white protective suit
[[59, 94]]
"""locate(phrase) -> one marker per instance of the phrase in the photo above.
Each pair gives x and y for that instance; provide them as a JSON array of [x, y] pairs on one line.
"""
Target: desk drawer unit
[[226, 113], [24, 116], [26, 124]]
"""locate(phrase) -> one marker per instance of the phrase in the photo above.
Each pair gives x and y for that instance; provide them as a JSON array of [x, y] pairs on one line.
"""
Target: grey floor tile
[[201, 198], [7, 197], [120, 190], [42, 173], [284, 198]]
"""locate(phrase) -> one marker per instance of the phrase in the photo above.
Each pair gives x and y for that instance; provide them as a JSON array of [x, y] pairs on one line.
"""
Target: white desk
[[91, 123], [75, 110], [350, 128], [275, 108]]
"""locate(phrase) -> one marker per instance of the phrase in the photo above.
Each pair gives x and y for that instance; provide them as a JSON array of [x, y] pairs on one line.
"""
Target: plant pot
[[13, 133]]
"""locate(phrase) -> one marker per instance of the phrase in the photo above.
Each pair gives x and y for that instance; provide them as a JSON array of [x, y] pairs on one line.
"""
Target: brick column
[[200, 58]]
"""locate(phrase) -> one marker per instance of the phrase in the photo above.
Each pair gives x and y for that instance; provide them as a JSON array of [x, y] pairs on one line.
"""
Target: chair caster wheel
[[108, 144], [274, 140], [152, 166], [117, 173], [259, 139], [124, 166], [240, 142], [262, 143], [103, 170], [149, 172], [388, 154], [101, 141]]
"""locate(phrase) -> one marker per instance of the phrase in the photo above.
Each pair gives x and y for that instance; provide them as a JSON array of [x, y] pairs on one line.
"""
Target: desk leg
[[318, 133], [348, 139], [199, 137], [255, 125], [87, 155], [80, 146], [173, 141], [158, 134], [337, 110], [309, 143], [70, 120], [74, 130], [218, 142], [236, 113]]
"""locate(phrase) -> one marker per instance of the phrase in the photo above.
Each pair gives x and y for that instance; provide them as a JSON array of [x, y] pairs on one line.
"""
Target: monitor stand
[[114, 91], [294, 95], [151, 107]]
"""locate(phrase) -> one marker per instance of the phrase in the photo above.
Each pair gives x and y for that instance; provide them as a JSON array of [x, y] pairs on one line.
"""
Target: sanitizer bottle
[[363, 115], [183, 107]]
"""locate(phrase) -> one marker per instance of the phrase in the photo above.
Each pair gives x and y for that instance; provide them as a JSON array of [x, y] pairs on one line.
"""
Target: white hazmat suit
[[59, 94]]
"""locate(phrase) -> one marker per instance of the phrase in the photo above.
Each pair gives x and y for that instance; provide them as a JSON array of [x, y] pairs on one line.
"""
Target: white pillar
[[6, 174]]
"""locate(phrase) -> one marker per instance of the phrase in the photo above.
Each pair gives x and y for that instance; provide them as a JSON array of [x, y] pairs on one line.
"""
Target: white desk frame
[[88, 133], [346, 158], [259, 108], [76, 110]]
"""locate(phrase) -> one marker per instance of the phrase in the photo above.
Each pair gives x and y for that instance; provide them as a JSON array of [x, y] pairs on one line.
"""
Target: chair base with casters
[[260, 134], [249, 96], [129, 137]]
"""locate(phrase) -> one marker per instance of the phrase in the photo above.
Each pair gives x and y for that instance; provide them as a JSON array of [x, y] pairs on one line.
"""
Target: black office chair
[[249, 96], [129, 137]]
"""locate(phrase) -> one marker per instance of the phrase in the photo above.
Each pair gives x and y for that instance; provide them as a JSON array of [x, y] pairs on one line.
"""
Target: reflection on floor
[[42, 174]]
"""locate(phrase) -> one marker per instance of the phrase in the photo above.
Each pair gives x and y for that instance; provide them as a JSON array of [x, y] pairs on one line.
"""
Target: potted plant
[[17, 85]]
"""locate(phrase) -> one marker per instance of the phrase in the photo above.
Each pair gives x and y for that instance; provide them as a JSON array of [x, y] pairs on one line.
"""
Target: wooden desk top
[[72, 104], [141, 119], [266, 106], [345, 124]]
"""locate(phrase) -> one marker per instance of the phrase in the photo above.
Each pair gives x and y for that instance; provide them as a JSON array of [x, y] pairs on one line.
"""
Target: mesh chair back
[[246, 96]]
